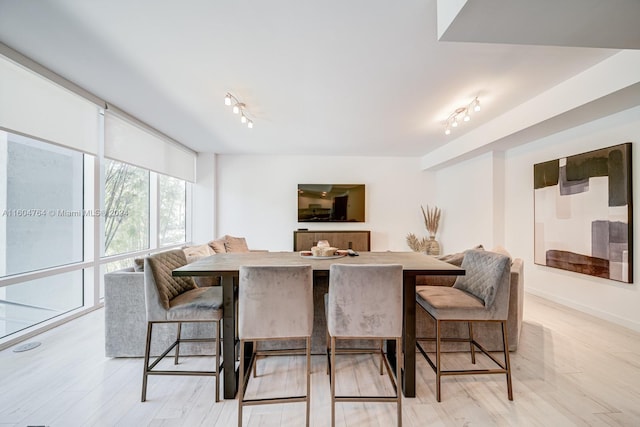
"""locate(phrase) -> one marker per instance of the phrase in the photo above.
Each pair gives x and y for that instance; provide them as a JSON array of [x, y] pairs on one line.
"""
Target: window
[[126, 206], [41, 205], [173, 196], [28, 303], [41, 227], [63, 225]]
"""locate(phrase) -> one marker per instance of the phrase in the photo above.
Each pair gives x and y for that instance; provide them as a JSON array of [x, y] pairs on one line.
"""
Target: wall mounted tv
[[331, 203]]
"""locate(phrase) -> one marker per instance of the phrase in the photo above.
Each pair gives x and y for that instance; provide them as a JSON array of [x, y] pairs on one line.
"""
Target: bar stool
[[178, 300], [274, 303], [481, 295], [365, 302]]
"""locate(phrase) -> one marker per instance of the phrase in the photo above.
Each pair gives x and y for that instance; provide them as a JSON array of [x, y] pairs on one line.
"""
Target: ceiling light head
[[461, 113], [238, 108]]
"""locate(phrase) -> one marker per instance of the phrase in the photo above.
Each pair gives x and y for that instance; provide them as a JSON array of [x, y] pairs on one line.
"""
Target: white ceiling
[[358, 77]]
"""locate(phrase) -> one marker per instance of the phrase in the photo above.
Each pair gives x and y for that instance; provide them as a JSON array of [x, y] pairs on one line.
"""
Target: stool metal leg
[[308, 378], [241, 383], [438, 361], [146, 362], [507, 363], [218, 347], [473, 347], [399, 358], [175, 362], [332, 380]]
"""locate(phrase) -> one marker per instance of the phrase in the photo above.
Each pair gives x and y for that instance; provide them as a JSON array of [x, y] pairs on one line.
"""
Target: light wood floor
[[570, 369]]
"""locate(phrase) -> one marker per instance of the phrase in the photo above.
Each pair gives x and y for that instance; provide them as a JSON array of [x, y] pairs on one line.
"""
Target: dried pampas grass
[[431, 219], [416, 244]]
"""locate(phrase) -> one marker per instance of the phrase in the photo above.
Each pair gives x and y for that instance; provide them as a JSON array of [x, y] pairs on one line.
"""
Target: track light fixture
[[238, 108], [462, 113]]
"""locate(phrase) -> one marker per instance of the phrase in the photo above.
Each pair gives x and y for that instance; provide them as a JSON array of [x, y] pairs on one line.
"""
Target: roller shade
[[35, 106], [128, 142]]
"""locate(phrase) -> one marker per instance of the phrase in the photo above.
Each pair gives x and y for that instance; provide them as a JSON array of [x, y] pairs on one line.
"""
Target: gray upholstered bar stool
[[178, 300], [365, 302], [481, 295], [274, 303]]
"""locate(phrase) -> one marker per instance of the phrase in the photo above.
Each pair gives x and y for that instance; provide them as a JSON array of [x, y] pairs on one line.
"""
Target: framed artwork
[[583, 213]]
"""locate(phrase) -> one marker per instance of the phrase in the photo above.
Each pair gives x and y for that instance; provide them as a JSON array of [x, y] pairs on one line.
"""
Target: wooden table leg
[[229, 337], [409, 335]]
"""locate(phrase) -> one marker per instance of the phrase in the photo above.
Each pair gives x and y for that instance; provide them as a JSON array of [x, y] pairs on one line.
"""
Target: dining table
[[227, 267]]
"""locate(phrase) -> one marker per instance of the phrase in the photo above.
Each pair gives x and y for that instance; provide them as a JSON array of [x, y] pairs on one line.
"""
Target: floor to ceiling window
[[172, 211], [84, 189], [41, 226], [126, 204]]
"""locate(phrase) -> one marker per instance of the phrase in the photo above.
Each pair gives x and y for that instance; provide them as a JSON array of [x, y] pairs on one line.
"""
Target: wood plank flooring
[[570, 369]]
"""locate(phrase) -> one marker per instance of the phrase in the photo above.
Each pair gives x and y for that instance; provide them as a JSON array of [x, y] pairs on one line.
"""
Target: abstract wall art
[[583, 213]]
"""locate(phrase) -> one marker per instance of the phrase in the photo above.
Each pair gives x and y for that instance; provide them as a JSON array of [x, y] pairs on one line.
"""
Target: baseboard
[[635, 326]]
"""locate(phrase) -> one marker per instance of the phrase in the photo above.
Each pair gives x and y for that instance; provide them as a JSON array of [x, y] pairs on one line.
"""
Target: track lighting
[[238, 108], [462, 112]]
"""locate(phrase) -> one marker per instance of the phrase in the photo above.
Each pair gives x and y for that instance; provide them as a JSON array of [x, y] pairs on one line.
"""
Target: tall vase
[[433, 247]]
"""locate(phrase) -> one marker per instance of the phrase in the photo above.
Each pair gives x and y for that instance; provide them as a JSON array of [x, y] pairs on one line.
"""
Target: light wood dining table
[[227, 266]]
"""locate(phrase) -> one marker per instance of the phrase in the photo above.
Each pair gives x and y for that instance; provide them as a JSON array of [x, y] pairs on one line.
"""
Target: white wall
[[257, 197], [203, 219], [608, 299], [471, 194]]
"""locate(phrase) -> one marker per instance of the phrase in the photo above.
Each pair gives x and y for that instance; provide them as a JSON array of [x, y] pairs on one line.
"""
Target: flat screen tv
[[331, 202]]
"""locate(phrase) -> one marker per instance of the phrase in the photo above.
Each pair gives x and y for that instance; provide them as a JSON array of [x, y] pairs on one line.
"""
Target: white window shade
[[33, 105], [128, 142]]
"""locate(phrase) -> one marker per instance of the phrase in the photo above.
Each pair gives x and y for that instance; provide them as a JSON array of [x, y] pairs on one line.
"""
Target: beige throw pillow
[[218, 246], [196, 252], [235, 244]]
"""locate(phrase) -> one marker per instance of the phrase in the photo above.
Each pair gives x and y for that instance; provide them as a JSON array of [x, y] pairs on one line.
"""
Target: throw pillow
[[456, 259], [235, 244], [218, 246], [196, 252]]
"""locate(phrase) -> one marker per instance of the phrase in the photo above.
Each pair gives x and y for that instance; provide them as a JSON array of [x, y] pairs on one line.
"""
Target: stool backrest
[[487, 277], [275, 302], [365, 300], [160, 287]]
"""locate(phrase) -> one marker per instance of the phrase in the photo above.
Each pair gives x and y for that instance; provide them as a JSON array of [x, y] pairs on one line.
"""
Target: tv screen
[[331, 203]]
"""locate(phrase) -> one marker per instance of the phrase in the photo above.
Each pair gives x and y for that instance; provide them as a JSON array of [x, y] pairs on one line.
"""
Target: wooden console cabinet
[[359, 240]]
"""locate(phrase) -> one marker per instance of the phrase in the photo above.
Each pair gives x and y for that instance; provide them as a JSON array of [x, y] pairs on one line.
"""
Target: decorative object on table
[[428, 245], [323, 249], [586, 195]]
